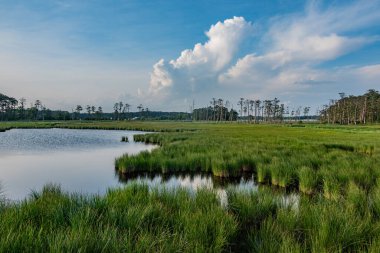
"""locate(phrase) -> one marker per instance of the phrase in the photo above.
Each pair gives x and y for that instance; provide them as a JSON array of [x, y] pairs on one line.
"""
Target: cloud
[[160, 78], [297, 44], [370, 72], [286, 59], [224, 41], [194, 67], [320, 35], [365, 77]]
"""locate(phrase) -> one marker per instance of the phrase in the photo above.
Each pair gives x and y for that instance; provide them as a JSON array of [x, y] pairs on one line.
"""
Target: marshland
[[190, 126], [332, 170]]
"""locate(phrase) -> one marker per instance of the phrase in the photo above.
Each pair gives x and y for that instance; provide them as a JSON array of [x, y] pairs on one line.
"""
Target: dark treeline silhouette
[[353, 109], [13, 109], [216, 113], [253, 111]]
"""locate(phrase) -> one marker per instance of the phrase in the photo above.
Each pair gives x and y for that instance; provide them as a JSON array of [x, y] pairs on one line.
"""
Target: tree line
[[13, 109], [253, 111], [218, 111], [347, 110]]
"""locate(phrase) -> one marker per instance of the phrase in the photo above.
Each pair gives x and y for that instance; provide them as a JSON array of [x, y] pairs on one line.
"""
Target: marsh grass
[[309, 180], [343, 147], [357, 200], [133, 219], [263, 174], [2, 198], [316, 225], [229, 151], [332, 186], [375, 200], [3, 129], [329, 162], [137, 218]]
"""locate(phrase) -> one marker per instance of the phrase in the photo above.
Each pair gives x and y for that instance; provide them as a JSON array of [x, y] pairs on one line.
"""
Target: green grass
[[310, 158], [141, 219], [336, 166], [308, 180], [133, 219]]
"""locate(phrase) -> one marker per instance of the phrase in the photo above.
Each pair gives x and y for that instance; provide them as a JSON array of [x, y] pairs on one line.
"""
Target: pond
[[78, 160], [82, 161]]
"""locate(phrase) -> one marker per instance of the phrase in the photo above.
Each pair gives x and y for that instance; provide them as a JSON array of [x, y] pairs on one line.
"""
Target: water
[[82, 161], [196, 181], [78, 160]]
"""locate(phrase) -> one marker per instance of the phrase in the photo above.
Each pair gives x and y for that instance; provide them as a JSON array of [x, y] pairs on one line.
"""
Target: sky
[[166, 54]]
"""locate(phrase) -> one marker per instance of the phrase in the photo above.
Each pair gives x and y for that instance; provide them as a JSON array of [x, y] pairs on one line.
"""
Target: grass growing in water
[[134, 219], [141, 219], [308, 180], [310, 159]]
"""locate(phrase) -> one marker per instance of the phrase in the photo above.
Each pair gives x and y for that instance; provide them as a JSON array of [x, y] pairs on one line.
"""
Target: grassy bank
[[150, 126], [139, 219], [311, 159]]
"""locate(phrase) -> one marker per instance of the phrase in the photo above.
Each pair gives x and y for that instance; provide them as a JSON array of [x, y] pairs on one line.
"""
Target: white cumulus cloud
[[202, 64], [296, 44]]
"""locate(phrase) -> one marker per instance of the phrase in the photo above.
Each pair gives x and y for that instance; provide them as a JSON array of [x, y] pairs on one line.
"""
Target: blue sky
[[164, 54]]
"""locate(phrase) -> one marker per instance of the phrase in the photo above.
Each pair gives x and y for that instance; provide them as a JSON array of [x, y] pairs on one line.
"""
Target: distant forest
[[251, 111], [353, 109], [13, 109], [346, 110]]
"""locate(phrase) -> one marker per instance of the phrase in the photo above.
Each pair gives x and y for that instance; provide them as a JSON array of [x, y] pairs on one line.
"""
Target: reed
[[139, 218], [263, 173], [308, 180], [331, 187], [133, 219]]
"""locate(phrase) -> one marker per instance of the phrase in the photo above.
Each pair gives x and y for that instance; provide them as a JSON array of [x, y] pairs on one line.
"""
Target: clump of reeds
[[263, 174], [282, 172], [333, 186], [308, 180], [275, 170], [366, 149], [133, 219], [357, 199], [124, 139]]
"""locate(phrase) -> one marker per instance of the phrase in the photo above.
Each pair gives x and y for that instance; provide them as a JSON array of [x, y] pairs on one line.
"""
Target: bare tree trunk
[[364, 110]]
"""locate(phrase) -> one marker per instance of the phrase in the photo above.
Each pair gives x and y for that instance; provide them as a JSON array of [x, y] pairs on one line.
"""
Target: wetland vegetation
[[336, 169]]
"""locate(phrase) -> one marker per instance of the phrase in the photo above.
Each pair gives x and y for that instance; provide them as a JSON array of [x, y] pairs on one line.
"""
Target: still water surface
[[78, 160], [83, 161]]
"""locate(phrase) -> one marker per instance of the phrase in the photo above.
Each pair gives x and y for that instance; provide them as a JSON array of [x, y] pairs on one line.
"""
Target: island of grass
[[336, 167]]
